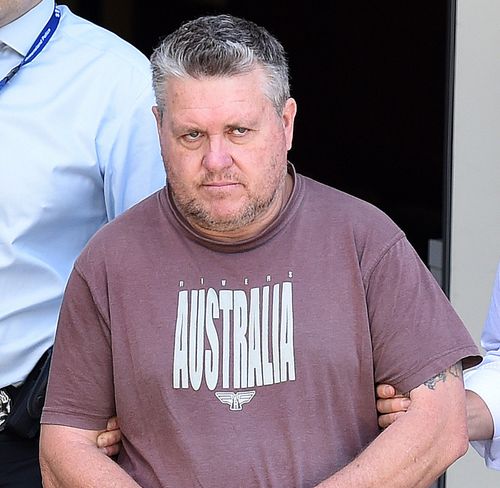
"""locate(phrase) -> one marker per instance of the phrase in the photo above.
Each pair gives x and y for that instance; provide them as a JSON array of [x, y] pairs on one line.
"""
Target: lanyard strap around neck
[[40, 42]]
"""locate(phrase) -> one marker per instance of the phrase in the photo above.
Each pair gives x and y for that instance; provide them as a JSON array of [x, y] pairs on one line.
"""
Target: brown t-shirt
[[249, 365]]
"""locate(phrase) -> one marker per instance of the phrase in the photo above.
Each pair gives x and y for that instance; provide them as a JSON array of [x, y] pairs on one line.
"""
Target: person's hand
[[109, 440], [390, 404]]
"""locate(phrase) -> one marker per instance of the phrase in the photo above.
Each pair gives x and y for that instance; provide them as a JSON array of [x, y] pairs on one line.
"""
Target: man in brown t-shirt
[[237, 320]]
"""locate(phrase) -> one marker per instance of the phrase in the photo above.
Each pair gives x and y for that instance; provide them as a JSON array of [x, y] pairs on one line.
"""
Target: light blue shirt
[[78, 145], [484, 379]]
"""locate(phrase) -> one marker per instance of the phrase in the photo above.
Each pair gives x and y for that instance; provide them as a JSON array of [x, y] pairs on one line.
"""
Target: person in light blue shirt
[[483, 381], [78, 146]]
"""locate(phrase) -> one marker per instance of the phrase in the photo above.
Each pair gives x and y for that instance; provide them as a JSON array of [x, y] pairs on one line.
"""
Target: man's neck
[[10, 13]]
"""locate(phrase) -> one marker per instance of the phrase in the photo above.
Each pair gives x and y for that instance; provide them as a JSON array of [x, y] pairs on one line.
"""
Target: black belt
[[20, 408]]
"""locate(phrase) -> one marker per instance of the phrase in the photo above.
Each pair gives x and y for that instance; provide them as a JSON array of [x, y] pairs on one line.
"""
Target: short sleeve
[[416, 333], [80, 390]]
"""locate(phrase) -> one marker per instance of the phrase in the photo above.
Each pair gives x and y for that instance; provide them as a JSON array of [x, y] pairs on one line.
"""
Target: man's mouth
[[221, 184]]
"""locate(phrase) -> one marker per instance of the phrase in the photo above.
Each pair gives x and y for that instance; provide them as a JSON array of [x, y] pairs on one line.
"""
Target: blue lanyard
[[40, 42]]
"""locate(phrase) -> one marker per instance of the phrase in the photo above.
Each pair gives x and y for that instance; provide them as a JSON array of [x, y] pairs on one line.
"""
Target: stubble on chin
[[200, 214]]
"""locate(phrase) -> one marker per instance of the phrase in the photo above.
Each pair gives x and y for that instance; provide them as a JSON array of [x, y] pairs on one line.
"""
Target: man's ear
[[158, 115], [288, 120]]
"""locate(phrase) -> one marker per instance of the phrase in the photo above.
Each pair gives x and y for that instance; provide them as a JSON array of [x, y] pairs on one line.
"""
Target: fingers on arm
[[385, 391], [393, 405], [112, 423], [390, 404], [109, 441]]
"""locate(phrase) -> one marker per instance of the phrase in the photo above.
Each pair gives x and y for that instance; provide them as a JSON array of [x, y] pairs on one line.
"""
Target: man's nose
[[217, 155]]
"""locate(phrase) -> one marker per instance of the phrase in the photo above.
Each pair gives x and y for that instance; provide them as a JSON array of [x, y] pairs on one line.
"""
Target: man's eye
[[239, 131], [192, 136]]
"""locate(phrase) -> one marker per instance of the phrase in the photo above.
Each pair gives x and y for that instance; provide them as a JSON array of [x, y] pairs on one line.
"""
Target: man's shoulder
[[341, 207], [100, 42], [349, 222]]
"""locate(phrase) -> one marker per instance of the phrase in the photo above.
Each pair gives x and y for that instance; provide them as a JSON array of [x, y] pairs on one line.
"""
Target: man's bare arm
[[419, 445], [70, 458], [391, 405]]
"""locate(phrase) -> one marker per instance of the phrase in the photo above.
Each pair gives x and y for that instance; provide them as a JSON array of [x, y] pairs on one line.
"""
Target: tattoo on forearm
[[455, 370]]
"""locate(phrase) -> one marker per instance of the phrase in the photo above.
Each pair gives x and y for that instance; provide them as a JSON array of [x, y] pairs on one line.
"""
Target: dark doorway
[[370, 79]]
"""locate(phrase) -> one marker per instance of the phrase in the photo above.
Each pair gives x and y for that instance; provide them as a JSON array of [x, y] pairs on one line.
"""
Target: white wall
[[475, 233]]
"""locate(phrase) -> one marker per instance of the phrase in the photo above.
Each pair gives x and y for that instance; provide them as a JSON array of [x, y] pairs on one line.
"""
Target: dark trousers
[[19, 467]]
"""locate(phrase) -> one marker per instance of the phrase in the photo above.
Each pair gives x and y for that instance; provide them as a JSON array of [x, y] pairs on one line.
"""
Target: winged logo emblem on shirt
[[235, 400]]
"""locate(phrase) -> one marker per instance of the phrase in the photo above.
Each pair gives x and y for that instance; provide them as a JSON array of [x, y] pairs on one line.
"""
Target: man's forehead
[[207, 120], [213, 104], [230, 112], [220, 102]]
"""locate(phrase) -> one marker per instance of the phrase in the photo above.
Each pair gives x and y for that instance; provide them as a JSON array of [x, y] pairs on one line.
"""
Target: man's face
[[13, 9], [225, 151]]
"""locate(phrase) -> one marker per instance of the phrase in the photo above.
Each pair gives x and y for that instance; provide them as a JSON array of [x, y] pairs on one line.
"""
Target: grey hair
[[220, 46]]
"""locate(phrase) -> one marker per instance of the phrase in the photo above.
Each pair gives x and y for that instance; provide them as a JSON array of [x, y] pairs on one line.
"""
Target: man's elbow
[[461, 444], [48, 476]]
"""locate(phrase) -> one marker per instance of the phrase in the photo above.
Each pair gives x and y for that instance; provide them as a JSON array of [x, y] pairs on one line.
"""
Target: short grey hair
[[221, 46]]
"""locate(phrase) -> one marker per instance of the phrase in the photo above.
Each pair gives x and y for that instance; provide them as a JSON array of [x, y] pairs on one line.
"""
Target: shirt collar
[[22, 32]]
